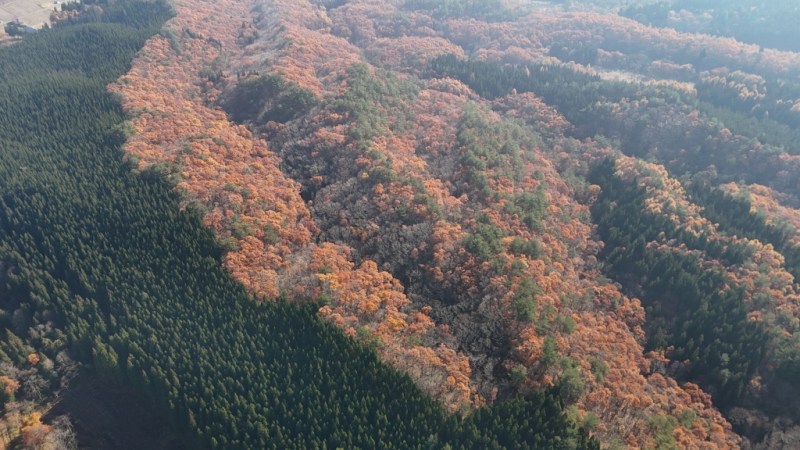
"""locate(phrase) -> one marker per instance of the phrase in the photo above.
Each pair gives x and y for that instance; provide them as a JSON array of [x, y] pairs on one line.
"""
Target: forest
[[100, 262], [628, 255], [766, 24], [404, 223]]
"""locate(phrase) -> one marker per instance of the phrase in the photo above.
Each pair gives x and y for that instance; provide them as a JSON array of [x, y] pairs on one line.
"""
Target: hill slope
[[466, 198], [582, 220]]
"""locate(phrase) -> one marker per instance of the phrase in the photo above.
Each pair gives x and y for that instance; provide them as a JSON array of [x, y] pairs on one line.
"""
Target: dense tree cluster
[[769, 24], [448, 218], [735, 216], [491, 10], [268, 98], [656, 258], [694, 310], [258, 212], [439, 198], [628, 111], [570, 91], [138, 288], [769, 100]]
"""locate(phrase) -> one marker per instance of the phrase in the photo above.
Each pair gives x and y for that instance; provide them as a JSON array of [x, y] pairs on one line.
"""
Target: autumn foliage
[[451, 233], [256, 210]]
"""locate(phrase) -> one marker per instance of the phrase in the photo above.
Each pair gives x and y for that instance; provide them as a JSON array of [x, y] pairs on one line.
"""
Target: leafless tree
[[63, 435], [66, 367], [35, 387]]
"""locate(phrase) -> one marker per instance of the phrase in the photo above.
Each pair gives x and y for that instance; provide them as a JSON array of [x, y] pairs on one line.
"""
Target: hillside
[[507, 224], [104, 273]]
